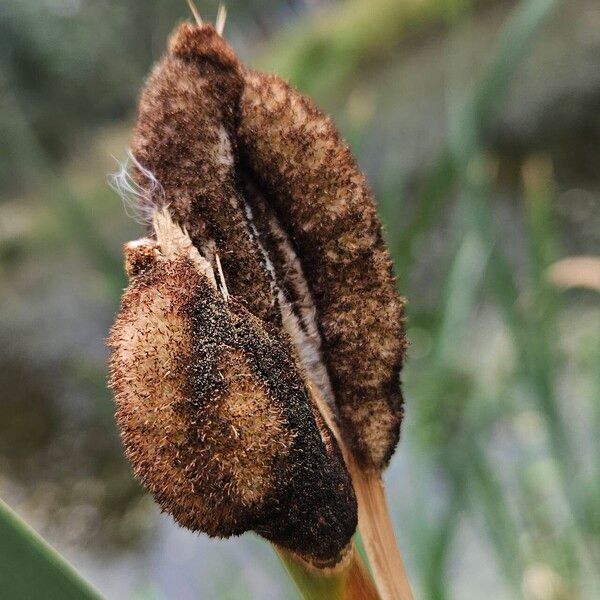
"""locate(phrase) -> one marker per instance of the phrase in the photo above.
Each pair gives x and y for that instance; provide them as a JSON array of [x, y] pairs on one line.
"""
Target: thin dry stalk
[[374, 520], [221, 18], [195, 12], [378, 535]]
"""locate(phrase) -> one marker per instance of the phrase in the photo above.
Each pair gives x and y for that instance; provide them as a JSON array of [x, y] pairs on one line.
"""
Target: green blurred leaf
[[323, 53], [477, 113], [30, 569]]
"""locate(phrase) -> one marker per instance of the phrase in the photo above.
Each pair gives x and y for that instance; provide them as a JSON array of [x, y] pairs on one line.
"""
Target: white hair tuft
[[139, 202]]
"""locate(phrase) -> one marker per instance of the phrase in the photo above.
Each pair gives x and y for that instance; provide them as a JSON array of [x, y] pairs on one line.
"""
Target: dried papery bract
[[214, 415]]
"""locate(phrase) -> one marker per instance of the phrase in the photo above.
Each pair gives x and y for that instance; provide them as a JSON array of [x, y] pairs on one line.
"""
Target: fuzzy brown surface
[[217, 420], [326, 206], [185, 136]]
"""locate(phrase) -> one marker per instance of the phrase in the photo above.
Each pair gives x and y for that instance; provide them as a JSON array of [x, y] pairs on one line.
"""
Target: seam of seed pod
[[275, 290], [295, 299]]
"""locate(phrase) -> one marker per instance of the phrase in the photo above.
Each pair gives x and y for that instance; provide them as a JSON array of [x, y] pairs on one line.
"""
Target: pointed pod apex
[[201, 42]]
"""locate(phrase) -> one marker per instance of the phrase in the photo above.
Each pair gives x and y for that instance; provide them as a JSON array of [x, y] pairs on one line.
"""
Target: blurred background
[[478, 124]]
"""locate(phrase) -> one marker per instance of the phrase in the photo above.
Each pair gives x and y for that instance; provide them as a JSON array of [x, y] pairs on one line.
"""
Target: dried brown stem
[[378, 535], [374, 520], [195, 12]]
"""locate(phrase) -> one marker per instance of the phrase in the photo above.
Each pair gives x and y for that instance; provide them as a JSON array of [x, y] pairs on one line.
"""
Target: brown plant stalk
[[374, 520]]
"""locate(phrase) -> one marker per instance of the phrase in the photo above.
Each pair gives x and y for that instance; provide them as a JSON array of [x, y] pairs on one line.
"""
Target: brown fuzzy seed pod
[[185, 137], [214, 414], [320, 196]]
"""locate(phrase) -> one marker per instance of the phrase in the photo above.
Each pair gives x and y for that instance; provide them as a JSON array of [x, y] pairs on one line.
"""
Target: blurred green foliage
[[31, 569], [71, 66]]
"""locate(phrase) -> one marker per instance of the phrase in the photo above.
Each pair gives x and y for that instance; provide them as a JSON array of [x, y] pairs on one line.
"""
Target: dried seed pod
[[214, 414], [185, 139], [296, 157], [217, 137]]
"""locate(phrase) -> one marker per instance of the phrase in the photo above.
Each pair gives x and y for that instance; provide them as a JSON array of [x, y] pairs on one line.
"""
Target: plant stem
[[349, 581], [377, 532], [374, 520]]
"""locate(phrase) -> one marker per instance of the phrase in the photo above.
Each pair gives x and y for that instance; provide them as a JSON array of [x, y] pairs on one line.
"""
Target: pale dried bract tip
[[215, 416], [195, 12], [221, 18]]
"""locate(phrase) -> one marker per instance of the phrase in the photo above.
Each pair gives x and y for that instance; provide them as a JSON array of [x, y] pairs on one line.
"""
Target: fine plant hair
[[294, 296], [142, 194]]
